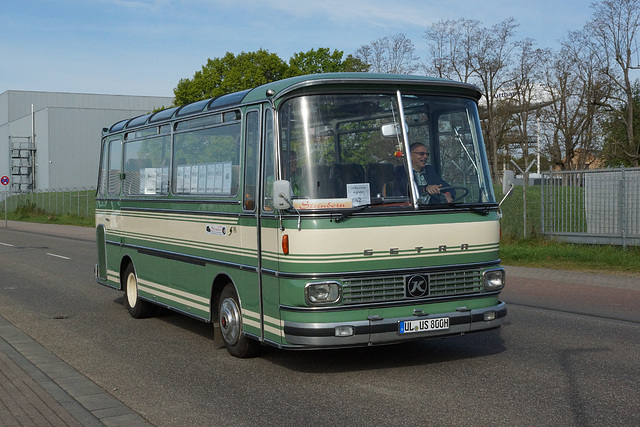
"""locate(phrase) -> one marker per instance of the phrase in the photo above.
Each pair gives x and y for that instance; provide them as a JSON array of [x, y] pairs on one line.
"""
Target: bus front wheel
[[137, 308], [230, 318]]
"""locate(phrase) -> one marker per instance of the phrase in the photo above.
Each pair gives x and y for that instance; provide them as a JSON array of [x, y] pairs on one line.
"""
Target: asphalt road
[[566, 355]]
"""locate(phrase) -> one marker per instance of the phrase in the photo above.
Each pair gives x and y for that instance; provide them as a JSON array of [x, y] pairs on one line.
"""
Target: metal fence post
[[623, 222]]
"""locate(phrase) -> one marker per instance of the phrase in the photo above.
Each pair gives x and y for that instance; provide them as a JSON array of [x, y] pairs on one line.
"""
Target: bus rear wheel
[[230, 319], [137, 308]]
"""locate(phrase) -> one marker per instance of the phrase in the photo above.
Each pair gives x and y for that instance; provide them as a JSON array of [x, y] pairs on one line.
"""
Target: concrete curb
[[38, 388]]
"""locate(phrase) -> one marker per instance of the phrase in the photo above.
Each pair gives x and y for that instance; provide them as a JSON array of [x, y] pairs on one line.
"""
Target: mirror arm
[[294, 208], [507, 195]]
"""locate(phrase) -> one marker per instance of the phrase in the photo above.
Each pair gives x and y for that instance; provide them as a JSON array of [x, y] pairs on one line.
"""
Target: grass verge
[[29, 212], [543, 253]]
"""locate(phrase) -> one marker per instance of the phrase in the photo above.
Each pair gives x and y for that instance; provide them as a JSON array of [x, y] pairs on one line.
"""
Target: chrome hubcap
[[230, 323]]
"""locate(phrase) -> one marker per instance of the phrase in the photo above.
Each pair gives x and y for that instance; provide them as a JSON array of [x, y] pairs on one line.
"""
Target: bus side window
[[252, 138], [115, 167], [146, 166], [102, 177], [206, 161], [269, 161]]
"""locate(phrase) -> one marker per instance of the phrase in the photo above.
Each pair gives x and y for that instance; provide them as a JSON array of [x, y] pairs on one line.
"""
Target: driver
[[428, 181]]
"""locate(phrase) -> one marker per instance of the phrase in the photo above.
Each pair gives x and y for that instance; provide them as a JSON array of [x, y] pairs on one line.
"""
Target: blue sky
[[144, 47]]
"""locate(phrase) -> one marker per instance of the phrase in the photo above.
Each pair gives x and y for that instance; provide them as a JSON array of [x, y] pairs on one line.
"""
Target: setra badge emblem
[[417, 286]]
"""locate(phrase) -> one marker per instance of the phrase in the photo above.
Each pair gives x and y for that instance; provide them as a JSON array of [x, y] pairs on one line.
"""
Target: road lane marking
[[58, 256], [6, 244]]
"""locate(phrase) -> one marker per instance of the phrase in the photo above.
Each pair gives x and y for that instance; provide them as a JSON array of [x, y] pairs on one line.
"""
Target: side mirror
[[281, 194], [390, 130]]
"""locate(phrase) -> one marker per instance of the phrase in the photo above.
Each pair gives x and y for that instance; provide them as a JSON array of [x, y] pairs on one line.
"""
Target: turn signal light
[[344, 331], [285, 244]]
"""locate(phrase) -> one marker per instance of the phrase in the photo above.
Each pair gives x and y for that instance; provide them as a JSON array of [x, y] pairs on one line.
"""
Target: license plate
[[424, 325]]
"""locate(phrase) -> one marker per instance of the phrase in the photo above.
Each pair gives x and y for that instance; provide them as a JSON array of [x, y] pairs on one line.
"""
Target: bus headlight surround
[[322, 293], [493, 280]]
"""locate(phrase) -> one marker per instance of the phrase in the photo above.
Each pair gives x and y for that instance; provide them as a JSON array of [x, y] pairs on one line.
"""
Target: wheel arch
[[219, 282], [124, 263]]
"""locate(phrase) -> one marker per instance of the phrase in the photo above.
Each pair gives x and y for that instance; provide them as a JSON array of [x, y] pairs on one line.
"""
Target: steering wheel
[[461, 192]]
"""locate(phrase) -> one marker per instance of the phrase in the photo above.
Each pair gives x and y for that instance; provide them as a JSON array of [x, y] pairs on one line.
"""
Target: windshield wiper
[[484, 211], [481, 210], [346, 214]]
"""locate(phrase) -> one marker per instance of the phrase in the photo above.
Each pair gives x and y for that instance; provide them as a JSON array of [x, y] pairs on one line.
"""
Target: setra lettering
[[418, 249]]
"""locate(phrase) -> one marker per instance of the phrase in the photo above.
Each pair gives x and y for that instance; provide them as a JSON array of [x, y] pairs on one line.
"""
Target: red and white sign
[[322, 203], [4, 180]]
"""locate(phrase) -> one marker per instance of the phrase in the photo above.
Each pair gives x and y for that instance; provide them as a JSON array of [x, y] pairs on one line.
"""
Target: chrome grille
[[455, 282], [379, 289]]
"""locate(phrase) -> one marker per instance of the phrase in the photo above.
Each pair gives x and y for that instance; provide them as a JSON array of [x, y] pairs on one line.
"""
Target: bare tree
[[392, 54], [464, 50], [614, 28], [528, 72], [491, 68], [451, 45], [576, 87]]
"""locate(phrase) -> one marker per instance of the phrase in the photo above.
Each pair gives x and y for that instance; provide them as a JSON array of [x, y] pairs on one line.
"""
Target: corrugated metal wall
[[68, 131]]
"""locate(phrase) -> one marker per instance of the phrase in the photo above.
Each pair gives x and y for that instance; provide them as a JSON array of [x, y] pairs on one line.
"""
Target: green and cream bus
[[289, 215]]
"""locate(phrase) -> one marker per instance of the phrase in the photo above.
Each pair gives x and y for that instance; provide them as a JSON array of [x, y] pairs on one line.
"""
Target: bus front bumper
[[377, 330]]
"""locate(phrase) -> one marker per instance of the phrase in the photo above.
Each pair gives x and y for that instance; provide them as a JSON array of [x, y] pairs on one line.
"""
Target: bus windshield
[[348, 150]]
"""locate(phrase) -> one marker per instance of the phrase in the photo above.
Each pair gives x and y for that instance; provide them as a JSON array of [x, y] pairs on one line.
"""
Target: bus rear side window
[[104, 167], [115, 167], [146, 166]]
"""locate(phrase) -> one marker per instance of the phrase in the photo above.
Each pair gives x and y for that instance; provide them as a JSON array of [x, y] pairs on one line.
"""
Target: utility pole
[[33, 147]]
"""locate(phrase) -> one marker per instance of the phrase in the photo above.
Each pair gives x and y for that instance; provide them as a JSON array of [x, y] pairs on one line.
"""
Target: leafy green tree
[[230, 73], [323, 61], [247, 70]]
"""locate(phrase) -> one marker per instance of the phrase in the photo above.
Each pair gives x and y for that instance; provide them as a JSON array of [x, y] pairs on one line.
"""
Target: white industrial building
[[51, 140]]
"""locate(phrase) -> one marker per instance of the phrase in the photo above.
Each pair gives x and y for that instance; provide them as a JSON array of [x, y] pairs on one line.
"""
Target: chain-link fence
[[66, 201], [599, 206], [520, 212]]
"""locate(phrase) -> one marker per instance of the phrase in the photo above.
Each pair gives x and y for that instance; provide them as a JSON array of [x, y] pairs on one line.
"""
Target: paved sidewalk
[[39, 389]]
